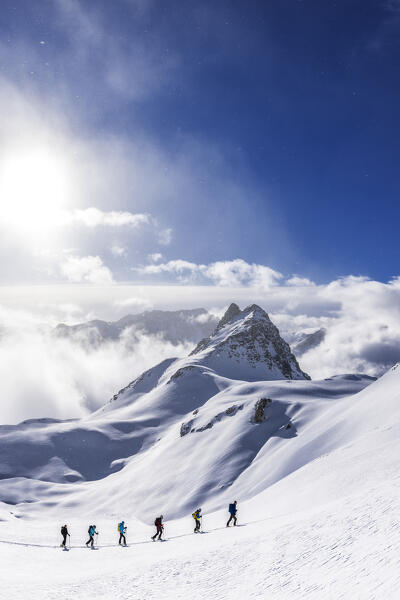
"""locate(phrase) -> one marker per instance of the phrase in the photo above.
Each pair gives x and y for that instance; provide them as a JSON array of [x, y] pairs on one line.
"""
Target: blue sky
[[165, 154], [261, 131]]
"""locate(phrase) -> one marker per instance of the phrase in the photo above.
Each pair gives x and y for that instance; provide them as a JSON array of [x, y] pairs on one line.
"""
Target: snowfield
[[314, 466], [346, 548]]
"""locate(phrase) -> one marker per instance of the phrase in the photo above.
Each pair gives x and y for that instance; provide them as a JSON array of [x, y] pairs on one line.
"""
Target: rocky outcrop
[[189, 427], [259, 412]]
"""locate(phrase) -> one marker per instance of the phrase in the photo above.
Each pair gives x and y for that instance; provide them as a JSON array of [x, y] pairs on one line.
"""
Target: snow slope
[[347, 550], [313, 464], [328, 530]]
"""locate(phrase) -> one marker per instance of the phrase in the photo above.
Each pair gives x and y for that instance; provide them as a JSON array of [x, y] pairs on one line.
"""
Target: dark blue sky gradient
[[301, 97]]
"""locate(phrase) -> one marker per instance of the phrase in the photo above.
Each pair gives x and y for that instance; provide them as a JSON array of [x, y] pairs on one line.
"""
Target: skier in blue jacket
[[232, 512], [122, 530], [91, 531]]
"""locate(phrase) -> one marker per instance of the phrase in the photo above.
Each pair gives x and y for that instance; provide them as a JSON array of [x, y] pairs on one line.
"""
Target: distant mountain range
[[173, 326]]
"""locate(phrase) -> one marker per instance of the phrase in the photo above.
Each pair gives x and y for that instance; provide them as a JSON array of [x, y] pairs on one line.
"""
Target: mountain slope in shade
[[308, 341]]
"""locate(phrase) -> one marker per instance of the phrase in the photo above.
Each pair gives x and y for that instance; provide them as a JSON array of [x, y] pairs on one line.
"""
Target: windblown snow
[[314, 466]]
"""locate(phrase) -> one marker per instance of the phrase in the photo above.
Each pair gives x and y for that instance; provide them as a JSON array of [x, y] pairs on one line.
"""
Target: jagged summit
[[232, 312], [247, 344]]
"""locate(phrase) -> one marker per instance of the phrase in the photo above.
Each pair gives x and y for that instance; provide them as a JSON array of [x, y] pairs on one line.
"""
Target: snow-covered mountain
[[314, 466], [173, 326], [232, 408]]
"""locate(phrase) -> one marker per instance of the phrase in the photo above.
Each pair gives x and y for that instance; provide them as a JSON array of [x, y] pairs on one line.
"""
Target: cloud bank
[[45, 376]]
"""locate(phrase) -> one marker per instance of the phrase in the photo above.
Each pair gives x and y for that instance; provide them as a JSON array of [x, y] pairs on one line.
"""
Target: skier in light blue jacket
[[91, 531], [122, 530]]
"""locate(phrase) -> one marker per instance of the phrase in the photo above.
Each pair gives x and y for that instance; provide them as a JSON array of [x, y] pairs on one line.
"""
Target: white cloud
[[118, 251], [165, 237], [94, 217], [223, 273], [89, 269], [135, 302], [297, 281], [155, 257], [238, 272], [173, 266]]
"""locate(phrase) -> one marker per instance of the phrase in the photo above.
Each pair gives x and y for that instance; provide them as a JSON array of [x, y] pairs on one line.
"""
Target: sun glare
[[33, 190]]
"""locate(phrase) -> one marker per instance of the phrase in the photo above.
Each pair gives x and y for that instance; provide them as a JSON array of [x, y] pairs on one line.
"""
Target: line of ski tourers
[[122, 528]]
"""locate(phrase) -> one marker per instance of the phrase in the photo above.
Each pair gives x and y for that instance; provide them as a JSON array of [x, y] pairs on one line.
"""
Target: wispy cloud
[[94, 217], [155, 257], [229, 273], [118, 251], [165, 237], [88, 269], [131, 67]]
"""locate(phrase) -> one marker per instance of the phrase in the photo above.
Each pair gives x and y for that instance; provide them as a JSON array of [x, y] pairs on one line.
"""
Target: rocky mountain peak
[[247, 340], [230, 314]]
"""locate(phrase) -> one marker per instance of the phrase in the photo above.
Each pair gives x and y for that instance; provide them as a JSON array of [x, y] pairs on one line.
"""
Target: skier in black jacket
[[64, 533]]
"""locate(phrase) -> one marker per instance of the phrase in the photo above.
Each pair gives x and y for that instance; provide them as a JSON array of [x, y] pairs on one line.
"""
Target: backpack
[[157, 522], [119, 527], [232, 509]]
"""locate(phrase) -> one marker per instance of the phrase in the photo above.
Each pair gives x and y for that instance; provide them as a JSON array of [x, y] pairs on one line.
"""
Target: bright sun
[[33, 189]]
